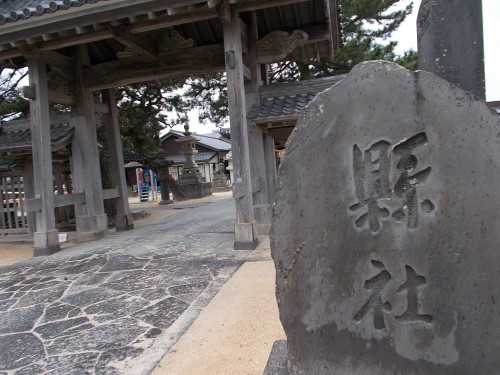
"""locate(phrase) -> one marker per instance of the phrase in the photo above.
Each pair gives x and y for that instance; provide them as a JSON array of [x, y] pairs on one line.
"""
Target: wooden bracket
[[134, 44], [278, 44], [224, 11]]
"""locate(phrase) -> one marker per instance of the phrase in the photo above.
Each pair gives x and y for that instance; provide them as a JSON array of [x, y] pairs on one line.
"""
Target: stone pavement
[[235, 333], [115, 306]]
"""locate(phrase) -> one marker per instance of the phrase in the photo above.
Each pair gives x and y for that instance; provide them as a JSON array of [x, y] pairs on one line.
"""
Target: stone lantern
[[190, 178]]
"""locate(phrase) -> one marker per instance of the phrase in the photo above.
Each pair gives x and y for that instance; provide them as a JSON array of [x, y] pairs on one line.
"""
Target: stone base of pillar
[[199, 190], [124, 222], [245, 236], [165, 202], [46, 243], [91, 228], [221, 189]]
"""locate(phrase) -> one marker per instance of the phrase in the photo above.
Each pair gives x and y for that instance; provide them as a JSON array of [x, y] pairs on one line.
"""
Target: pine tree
[[365, 25]]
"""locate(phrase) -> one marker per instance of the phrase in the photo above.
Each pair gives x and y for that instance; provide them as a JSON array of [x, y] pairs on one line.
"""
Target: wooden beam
[[204, 59], [139, 45], [249, 5], [213, 3], [64, 99], [111, 193], [105, 33], [35, 204], [247, 73]]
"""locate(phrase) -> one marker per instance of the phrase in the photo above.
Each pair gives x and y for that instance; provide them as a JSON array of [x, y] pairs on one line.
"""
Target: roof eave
[[84, 15]]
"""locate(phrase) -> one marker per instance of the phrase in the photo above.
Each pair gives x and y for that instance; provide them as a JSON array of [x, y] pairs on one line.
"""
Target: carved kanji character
[[411, 286], [376, 284], [371, 180], [406, 186]]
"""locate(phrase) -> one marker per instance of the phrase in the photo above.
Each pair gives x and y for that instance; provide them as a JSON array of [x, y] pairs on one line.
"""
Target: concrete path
[[115, 306], [234, 334]]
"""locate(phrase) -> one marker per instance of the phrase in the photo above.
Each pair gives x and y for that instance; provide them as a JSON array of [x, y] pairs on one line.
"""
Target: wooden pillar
[[245, 228], [262, 205], [124, 219], [29, 193], [91, 221], [46, 237], [270, 162]]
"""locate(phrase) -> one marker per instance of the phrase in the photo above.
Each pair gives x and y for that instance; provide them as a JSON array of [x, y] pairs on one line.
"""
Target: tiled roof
[[16, 135], [289, 99], [16, 10], [133, 164], [284, 105], [200, 157], [9, 164], [129, 155], [206, 141]]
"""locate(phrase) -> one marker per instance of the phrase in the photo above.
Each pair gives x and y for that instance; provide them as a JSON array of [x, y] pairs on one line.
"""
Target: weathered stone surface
[[82, 317], [6, 304], [139, 279], [19, 350], [19, 320], [277, 362], [163, 313], [107, 336], [450, 42], [73, 364], [123, 305], [58, 311], [103, 366], [55, 329], [29, 370], [42, 296], [90, 297], [121, 262], [385, 232]]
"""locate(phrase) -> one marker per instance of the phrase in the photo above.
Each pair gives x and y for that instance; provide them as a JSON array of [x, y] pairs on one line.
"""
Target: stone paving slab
[[96, 307]]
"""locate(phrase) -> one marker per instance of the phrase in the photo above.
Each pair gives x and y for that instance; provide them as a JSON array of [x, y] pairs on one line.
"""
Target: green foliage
[[143, 114], [365, 24], [12, 103], [409, 60], [208, 94]]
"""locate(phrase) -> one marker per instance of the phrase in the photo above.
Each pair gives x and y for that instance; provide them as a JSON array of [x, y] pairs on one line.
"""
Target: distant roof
[[285, 99], [129, 155], [15, 136], [495, 106], [282, 105], [200, 157], [204, 140], [133, 164]]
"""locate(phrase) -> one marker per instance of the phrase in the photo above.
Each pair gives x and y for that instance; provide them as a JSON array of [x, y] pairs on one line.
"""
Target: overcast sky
[[406, 36]]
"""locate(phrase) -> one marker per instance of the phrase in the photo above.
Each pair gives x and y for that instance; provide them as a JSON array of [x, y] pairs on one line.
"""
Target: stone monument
[[388, 263], [450, 42], [220, 181], [191, 180]]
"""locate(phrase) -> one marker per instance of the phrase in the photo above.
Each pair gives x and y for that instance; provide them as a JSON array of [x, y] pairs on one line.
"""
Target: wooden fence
[[13, 217]]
